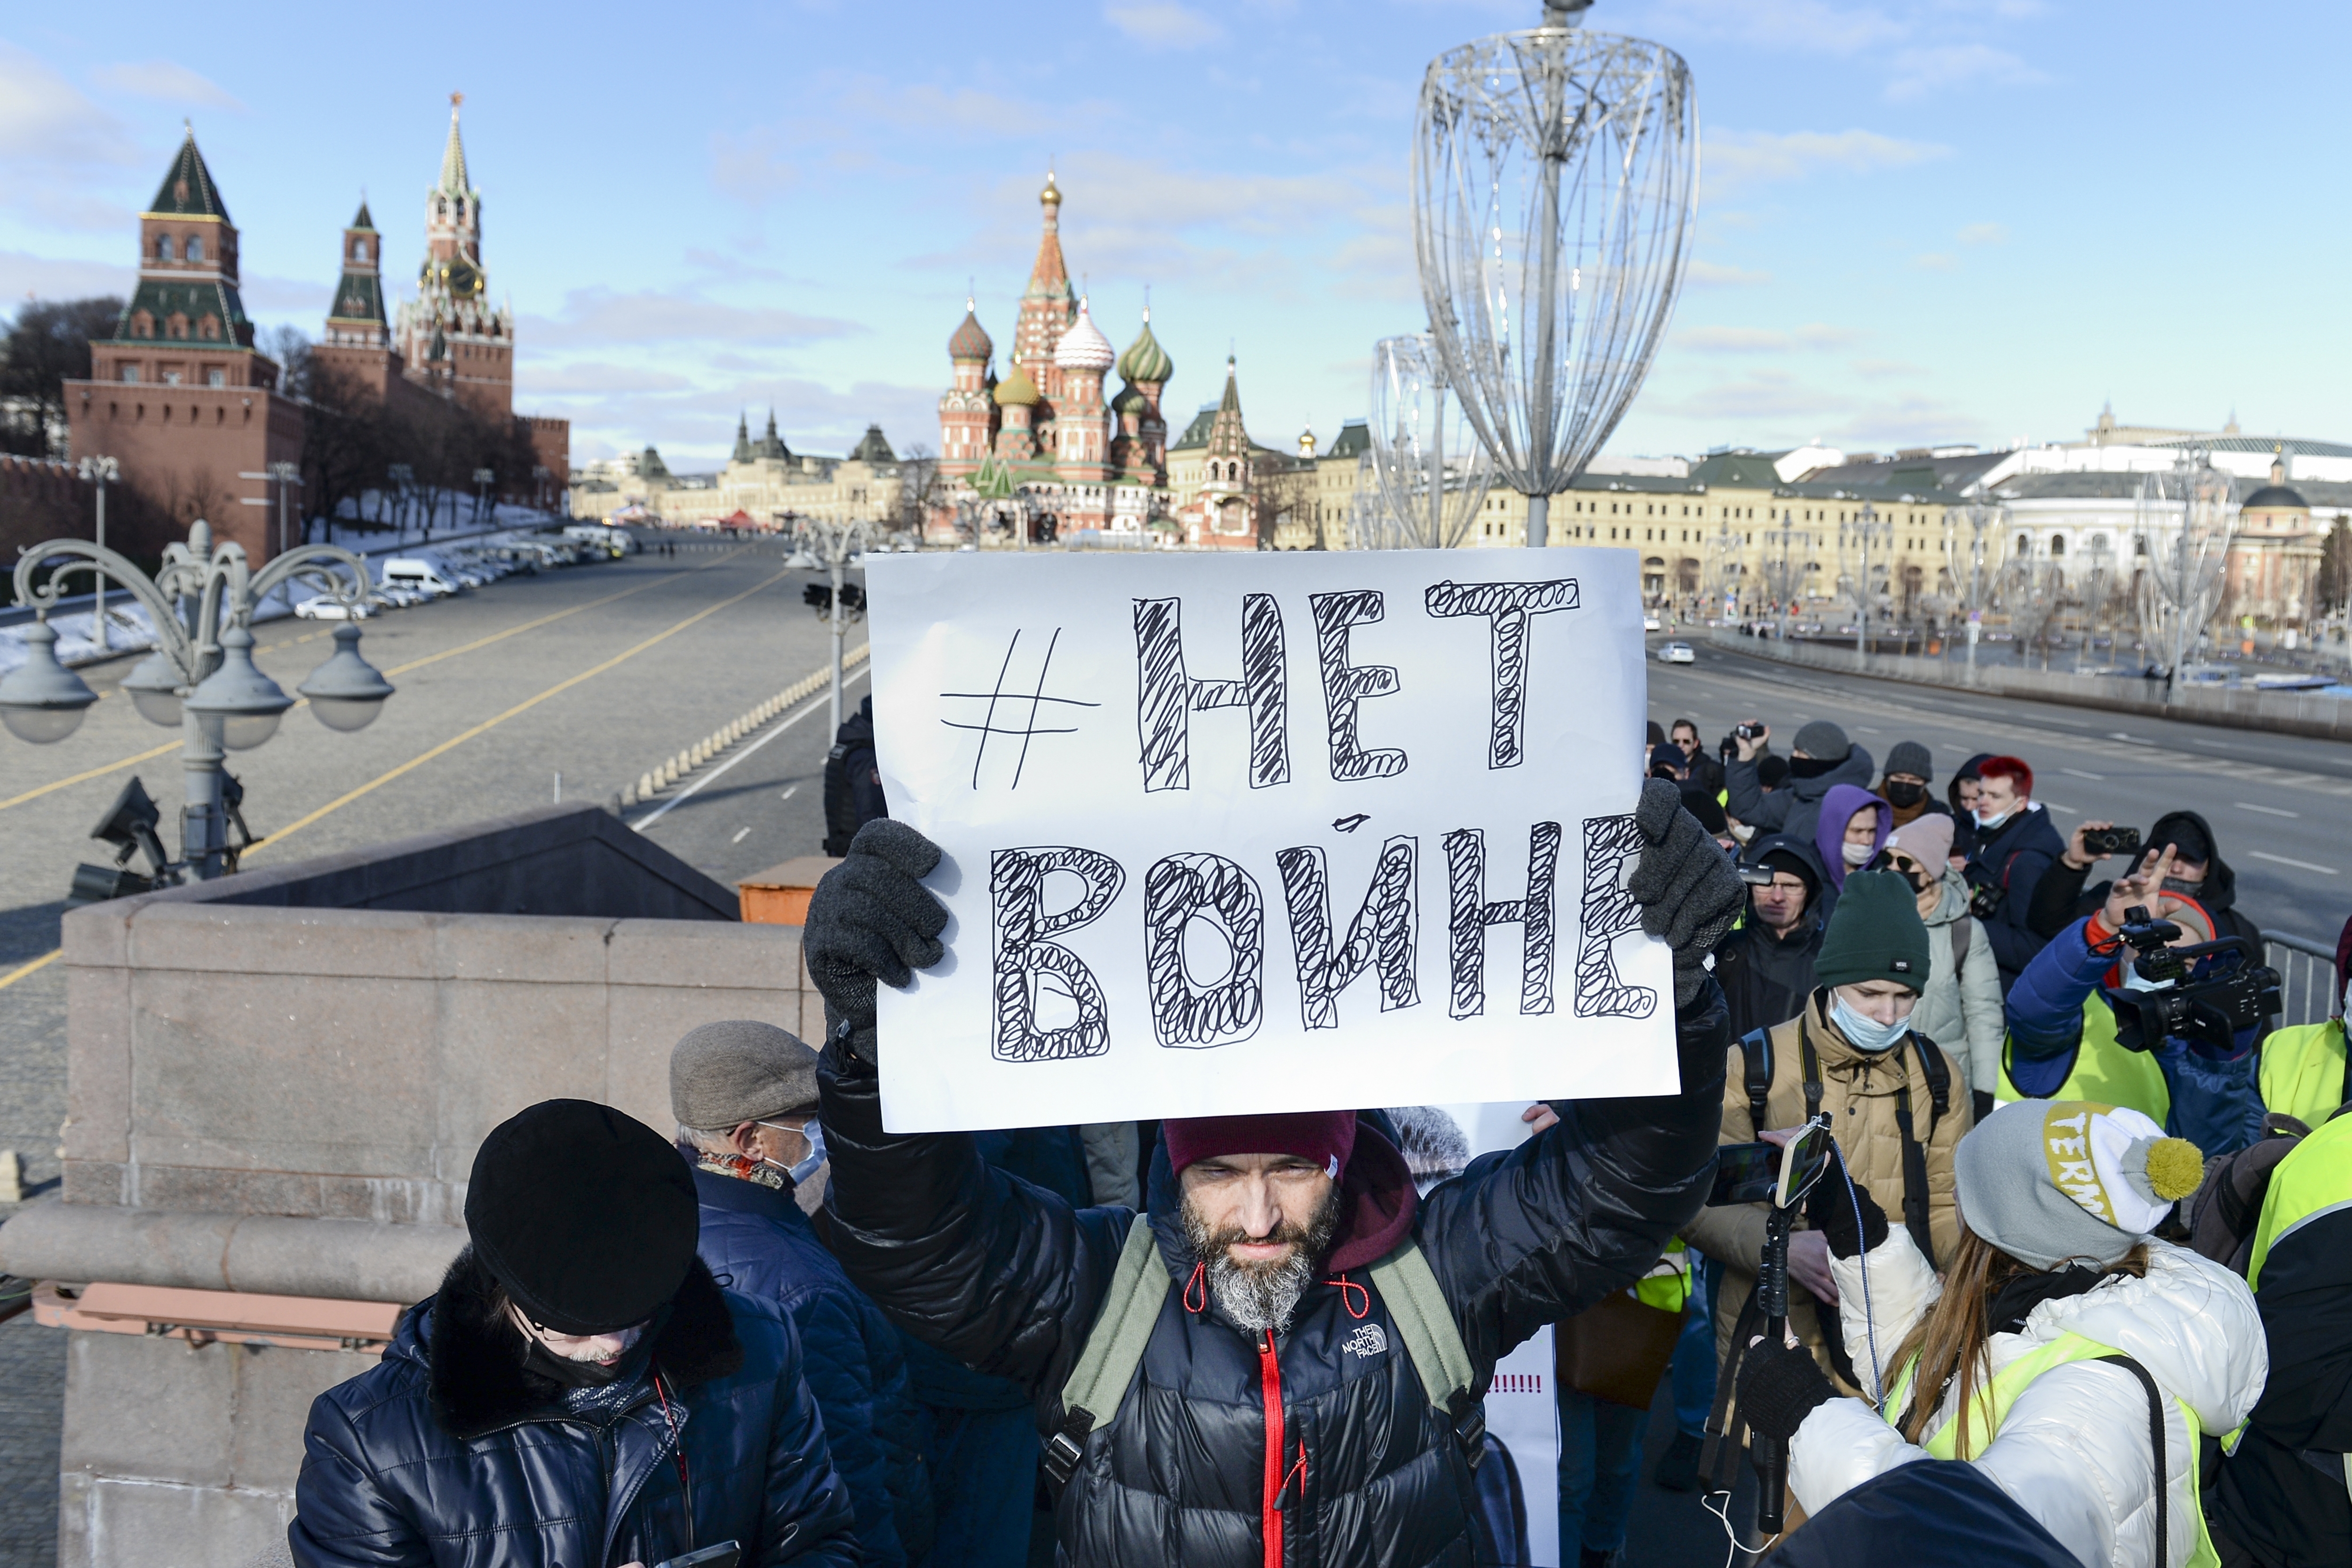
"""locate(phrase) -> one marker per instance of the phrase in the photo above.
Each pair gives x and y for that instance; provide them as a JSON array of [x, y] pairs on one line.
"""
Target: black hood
[[1968, 771], [474, 1356], [2220, 889]]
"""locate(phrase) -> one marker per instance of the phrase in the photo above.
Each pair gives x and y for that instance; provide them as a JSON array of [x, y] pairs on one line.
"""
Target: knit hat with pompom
[[2054, 1181]]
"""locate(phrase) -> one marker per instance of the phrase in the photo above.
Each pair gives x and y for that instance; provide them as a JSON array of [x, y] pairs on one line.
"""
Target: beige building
[[765, 485]]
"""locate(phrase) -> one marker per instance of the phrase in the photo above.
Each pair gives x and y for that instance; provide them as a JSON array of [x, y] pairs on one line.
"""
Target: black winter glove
[[872, 919], [1829, 1210], [1688, 893], [1779, 1387]]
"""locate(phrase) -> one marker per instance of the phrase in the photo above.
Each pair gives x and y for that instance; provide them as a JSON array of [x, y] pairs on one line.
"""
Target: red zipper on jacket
[[1269, 1383]]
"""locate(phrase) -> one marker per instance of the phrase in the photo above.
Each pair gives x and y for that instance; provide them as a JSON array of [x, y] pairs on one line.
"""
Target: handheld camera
[[2237, 993], [2111, 841]]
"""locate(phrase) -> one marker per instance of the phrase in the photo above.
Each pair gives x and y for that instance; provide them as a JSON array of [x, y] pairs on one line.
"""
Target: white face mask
[[1854, 854], [1866, 1033], [1989, 823], [2136, 981]]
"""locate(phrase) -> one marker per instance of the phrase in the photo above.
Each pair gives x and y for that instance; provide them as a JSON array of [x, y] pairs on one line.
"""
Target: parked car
[[1676, 654], [1649, 623], [325, 607]]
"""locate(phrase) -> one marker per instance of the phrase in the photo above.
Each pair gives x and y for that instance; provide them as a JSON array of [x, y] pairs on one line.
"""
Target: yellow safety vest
[[2303, 1071], [2105, 1073], [1667, 1285], [1993, 1402], [2315, 1177]]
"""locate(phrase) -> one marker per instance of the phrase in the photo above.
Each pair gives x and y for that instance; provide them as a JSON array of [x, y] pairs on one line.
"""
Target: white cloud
[[1807, 26], [1935, 261], [1164, 24], [601, 317], [1985, 233], [59, 277], [1715, 275], [1736, 158], [59, 153], [1918, 72], [167, 81]]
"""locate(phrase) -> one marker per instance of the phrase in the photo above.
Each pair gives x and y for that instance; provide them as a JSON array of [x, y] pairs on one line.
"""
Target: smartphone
[[1745, 1173], [726, 1554], [2110, 840], [1806, 1156]]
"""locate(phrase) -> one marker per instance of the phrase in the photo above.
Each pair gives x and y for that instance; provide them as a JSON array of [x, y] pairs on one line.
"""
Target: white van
[[614, 542], [426, 576]]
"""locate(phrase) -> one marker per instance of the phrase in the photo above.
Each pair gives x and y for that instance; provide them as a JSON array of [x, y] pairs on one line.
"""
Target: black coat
[[2014, 857], [1010, 1280], [2062, 899], [450, 1452]]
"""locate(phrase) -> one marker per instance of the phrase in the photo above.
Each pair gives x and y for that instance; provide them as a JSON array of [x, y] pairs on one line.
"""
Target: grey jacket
[[1960, 1009], [1796, 806]]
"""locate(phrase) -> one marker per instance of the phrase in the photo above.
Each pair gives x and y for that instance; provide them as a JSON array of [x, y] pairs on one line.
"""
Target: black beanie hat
[[2188, 841], [1782, 858], [1700, 803], [587, 1217], [1771, 768]]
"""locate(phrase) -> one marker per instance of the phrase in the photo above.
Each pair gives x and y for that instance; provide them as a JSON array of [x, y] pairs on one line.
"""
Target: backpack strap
[[1424, 1319], [1114, 1349], [1811, 1062], [1755, 1071], [1938, 1069], [2155, 1446]]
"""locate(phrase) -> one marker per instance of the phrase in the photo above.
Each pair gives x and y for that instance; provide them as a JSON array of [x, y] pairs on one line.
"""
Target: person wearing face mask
[[1904, 785], [1894, 1103], [1822, 759], [2063, 1039], [2014, 846], [580, 1390], [2199, 872], [1848, 835], [744, 1094]]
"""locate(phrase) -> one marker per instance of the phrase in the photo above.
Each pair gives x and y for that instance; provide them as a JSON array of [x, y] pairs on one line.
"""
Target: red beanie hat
[[1326, 1137]]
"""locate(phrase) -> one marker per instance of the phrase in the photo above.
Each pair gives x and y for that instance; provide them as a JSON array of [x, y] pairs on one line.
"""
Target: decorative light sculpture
[[2187, 520], [1430, 469], [1554, 176]]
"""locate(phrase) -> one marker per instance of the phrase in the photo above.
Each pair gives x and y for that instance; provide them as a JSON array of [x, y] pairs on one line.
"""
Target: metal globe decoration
[[248, 703], [1555, 173], [41, 701], [346, 692], [1430, 470]]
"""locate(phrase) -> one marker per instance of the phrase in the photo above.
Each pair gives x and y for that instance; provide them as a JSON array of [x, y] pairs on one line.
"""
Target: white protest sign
[[1267, 832]]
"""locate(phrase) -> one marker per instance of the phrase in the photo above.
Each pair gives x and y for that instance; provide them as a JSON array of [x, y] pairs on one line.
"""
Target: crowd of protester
[[2078, 1290]]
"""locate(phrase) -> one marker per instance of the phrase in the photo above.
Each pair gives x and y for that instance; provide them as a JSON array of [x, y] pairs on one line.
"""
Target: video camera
[[2214, 1009]]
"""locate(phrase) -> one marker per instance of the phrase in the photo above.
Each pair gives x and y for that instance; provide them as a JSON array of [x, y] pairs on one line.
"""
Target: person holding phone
[[1895, 1105], [579, 1391]]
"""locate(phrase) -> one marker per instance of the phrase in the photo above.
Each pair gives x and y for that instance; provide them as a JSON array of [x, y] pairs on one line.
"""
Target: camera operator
[[2063, 1016], [2198, 871], [2014, 847], [1822, 758]]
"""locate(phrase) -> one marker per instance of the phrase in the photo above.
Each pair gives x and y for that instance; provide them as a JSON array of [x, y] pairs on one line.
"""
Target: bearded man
[[1236, 1377]]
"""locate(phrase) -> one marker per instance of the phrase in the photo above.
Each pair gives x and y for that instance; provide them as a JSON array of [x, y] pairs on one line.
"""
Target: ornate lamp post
[[833, 544], [2187, 568], [1867, 527], [201, 676], [1430, 471], [1554, 176], [100, 472]]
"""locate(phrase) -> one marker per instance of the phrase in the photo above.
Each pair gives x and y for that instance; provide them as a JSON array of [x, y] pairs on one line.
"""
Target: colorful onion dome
[[1017, 389], [1130, 400], [970, 341], [1083, 347], [1145, 359], [1051, 195]]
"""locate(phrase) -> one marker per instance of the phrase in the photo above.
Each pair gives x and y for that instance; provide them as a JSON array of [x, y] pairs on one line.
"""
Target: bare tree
[[47, 346]]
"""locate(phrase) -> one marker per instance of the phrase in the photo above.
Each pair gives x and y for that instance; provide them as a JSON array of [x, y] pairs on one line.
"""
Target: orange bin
[[779, 894]]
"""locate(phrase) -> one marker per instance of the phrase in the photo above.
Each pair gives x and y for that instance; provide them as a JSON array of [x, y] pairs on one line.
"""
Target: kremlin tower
[[451, 337], [1046, 432]]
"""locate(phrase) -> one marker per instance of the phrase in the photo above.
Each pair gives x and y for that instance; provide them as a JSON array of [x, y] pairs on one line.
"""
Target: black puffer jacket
[[2061, 898], [1010, 1280], [450, 1452]]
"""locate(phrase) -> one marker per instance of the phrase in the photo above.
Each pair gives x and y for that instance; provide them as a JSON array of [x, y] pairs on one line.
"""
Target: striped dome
[[1145, 359], [1083, 347], [970, 341]]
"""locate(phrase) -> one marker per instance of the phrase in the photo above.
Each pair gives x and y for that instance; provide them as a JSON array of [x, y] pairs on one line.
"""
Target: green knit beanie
[[1874, 934]]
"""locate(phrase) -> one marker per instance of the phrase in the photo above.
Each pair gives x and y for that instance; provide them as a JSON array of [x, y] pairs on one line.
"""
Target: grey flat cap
[[724, 1074]]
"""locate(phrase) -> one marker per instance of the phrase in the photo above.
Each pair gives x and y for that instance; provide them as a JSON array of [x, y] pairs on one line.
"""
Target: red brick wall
[[185, 451]]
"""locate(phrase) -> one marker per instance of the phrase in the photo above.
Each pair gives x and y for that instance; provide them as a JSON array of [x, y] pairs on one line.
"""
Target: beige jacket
[[1859, 1091]]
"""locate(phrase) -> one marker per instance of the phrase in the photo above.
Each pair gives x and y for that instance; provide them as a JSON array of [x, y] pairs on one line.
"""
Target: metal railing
[[2306, 977]]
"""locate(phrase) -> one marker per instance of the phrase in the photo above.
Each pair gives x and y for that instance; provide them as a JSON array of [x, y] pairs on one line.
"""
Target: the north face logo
[[1369, 1340]]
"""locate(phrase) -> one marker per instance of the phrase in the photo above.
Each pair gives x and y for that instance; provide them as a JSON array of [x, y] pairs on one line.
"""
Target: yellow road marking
[[117, 766], [43, 962], [454, 741]]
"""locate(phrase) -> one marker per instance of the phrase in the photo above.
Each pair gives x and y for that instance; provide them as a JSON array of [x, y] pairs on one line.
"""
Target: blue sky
[[1921, 220]]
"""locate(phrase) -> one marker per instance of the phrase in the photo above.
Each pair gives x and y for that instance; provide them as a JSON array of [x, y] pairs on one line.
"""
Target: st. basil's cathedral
[[1043, 442]]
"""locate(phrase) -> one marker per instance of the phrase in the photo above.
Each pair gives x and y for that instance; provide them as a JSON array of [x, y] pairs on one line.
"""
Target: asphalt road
[[2279, 806], [595, 674]]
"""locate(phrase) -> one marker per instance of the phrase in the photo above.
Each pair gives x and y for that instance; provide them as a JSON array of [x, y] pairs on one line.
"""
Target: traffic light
[[818, 596], [853, 598]]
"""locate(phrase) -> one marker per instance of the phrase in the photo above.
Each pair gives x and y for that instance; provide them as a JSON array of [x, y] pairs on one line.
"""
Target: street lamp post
[[1865, 527], [201, 677], [483, 479], [289, 478], [835, 543], [100, 472]]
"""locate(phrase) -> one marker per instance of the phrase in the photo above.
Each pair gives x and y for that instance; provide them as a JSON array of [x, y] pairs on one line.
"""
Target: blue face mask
[[814, 1133], [1866, 1033]]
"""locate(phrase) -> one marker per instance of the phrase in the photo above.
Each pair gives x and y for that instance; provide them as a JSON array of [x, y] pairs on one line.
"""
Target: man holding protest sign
[[1169, 831]]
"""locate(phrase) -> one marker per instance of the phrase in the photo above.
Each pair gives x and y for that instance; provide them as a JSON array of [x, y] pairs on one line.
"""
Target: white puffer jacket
[[2075, 1450]]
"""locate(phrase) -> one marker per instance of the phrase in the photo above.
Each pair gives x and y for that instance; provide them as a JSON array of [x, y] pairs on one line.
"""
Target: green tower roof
[[187, 191]]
